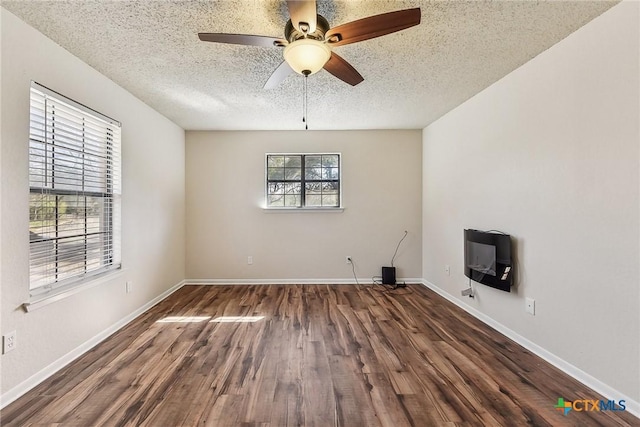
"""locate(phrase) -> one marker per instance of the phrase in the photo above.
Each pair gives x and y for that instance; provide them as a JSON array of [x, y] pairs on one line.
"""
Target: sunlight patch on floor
[[237, 319], [184, 319]]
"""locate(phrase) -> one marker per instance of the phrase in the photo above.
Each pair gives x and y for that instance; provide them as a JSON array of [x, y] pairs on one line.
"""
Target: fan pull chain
[[305, 119], [306, 102]]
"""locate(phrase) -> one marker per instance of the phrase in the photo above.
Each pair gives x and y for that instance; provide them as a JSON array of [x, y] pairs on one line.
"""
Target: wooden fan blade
[[244, 39], [373, 26], [277, 77], [303, 11], [343, 70]]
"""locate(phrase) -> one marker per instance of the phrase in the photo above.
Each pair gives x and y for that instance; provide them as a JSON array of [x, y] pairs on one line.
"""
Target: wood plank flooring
[[322, 355]]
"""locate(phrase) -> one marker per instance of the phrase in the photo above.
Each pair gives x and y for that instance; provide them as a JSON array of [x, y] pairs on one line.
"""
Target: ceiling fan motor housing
[[292, 34]]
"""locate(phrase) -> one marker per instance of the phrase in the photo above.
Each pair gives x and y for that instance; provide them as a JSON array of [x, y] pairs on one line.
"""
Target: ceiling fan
[[308, 40]]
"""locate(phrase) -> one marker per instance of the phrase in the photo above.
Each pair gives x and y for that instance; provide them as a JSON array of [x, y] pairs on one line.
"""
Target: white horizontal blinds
[[75, 188]]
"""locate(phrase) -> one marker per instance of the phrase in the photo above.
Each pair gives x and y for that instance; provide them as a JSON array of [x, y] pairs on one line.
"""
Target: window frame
[[106, 192], [303, 181]]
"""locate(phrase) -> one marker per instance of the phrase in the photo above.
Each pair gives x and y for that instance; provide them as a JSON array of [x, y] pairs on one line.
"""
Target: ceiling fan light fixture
[[307, 56]]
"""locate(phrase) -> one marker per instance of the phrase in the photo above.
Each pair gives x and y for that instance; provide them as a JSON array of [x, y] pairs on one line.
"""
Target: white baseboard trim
[[595, 384], [290, 281], [31, 382]]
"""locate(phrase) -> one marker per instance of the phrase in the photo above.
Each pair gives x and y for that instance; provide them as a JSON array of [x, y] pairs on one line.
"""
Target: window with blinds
[[74, 186]]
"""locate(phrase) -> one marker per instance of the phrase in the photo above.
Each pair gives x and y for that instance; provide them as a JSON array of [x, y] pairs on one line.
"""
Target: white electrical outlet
[[347, 259], [129, 286], [249, 260], [530, 306], [447, 270], [9, 342]]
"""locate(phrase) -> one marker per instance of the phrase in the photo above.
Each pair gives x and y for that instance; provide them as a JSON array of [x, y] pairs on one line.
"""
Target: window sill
[[40, 301], [294, 210]]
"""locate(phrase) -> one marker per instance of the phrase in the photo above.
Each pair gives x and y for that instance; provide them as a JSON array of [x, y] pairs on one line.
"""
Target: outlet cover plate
[[8, 342], [530, 306]]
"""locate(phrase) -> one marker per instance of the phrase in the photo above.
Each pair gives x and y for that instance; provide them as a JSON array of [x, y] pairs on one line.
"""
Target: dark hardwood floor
[[330, 355]]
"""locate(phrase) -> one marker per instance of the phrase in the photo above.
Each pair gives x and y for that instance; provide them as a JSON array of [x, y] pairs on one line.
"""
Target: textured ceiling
[[411, 77]]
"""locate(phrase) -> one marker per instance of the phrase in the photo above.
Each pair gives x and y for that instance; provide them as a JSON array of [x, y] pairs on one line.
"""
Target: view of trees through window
[[303, 180], [65, 236]]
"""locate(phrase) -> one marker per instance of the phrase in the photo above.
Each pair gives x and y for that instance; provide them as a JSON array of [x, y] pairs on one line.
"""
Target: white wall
[[226, 223], [550, 155], [152, 214]]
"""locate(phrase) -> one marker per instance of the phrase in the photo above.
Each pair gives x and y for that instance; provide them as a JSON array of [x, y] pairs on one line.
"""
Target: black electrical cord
[[377, 280], [378, 285]]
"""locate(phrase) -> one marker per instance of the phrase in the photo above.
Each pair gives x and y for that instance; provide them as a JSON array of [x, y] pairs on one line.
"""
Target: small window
[[74, 186], [303, 181]]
